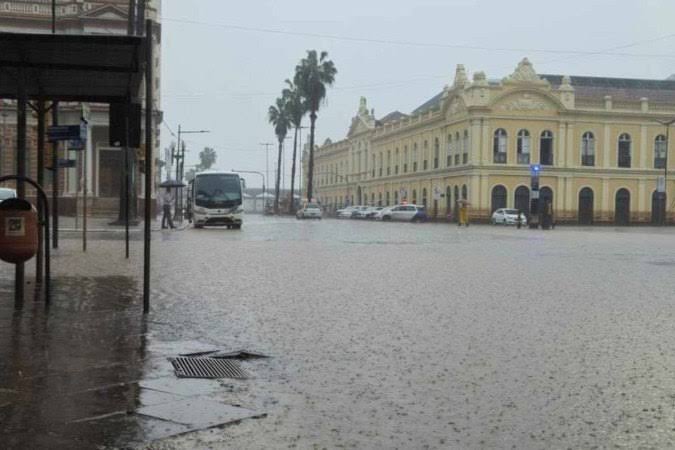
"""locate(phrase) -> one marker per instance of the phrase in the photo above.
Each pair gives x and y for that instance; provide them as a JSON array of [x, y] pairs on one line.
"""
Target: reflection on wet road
[[381, 335]]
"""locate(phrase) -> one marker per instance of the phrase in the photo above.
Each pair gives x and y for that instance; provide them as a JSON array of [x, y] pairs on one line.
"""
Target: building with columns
[[103, 163], [601, 144]]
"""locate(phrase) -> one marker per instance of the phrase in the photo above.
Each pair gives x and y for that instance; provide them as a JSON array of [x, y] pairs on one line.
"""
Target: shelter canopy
[[82, 68]]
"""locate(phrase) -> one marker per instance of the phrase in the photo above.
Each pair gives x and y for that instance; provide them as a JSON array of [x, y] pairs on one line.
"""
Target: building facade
[[600, 142], [102, 162]]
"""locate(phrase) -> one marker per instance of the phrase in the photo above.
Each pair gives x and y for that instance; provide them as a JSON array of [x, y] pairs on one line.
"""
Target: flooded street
[[382, 335]]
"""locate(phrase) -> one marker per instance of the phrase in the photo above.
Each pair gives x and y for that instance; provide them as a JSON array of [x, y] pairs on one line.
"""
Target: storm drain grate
[[207, 368]]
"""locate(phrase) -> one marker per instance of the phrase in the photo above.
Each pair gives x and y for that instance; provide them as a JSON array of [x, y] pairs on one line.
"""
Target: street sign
[[66, 163], [67, 132], [76, 144], [661, 184], [534, 195], [437, 193]]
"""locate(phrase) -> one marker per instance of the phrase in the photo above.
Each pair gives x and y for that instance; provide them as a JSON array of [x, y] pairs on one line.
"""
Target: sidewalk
[[69, 224]]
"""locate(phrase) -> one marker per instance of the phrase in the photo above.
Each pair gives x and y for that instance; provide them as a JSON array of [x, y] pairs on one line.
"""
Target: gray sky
[[223, 79]]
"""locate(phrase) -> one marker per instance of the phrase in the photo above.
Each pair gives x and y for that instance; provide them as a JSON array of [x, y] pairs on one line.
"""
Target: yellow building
[[601, 144]]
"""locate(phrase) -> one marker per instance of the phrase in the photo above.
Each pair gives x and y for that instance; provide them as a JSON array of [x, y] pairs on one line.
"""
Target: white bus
[[214, 199]]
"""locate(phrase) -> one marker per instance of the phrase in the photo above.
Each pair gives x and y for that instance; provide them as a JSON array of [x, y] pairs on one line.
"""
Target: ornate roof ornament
[[479, 79], [363, 107], [524, 72], [566, 84], [461, 79]]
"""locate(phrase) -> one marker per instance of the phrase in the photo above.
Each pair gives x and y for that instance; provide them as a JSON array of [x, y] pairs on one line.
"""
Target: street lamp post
[[180, 167], [263, 180], [667, 124]]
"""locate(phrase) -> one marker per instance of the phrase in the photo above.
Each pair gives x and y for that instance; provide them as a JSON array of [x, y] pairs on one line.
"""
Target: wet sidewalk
[[91, 371]]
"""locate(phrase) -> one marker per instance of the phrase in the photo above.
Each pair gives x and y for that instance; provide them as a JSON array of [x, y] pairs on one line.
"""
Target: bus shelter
[[47, 69]]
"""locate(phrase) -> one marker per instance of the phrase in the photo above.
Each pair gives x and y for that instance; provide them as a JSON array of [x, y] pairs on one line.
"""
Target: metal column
[[21, 172], [149, 106]]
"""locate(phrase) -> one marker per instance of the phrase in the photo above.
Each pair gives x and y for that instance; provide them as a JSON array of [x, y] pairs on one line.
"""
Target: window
[[660, 148], [414, 196], [437, 152], [546, 148], [405, 159], [396, 162], [588, 149], [448, 161], [624, 150], [424, 197], [395, 198], [465, 193], [457, 144], [414, 157], [465, 152], [498, 197], [425, 153], [374, 163], [499, 146], [523, 147], [389, 162]]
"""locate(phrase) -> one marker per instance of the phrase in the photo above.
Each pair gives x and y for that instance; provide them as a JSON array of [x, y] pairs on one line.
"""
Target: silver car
[[506, 216], [346, 213], [405, 213], [6, 193]]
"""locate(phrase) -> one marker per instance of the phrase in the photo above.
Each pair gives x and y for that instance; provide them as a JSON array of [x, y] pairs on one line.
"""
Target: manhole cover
[[207, 368]]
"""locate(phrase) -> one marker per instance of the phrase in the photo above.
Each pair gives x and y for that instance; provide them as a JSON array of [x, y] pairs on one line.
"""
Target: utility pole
[[267, 164], [667, 124], [180, 165]]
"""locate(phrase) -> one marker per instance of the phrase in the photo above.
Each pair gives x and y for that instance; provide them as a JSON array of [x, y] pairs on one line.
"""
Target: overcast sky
[[223, 79]]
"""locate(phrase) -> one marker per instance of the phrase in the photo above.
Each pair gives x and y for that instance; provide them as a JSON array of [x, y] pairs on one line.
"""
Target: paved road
[[387, 335], [431, 336]]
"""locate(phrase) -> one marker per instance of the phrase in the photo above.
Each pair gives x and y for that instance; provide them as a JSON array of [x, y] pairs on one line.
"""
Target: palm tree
[[312, 76], [278, 117], [296, 108]]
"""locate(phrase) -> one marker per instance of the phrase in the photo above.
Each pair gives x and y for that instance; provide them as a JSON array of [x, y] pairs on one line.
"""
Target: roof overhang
[[83, 68]]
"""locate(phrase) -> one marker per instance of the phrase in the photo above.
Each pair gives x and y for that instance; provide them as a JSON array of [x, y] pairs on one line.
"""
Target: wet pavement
[[382, 335]]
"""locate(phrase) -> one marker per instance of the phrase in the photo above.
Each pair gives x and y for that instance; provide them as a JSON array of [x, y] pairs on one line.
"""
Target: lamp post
[[664, 194], [263, 180], [180, 166]]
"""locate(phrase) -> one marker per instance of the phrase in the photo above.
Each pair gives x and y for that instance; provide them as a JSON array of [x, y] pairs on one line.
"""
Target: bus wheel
[[237, 227]]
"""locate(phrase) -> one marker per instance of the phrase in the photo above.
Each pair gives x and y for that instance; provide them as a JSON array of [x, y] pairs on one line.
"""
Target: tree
[[312, 75], [296, 108], [207, 158], [278, 116]]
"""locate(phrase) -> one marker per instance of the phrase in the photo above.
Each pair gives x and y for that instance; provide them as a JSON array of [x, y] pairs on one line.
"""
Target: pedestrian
[[167, 200], [520, 218]]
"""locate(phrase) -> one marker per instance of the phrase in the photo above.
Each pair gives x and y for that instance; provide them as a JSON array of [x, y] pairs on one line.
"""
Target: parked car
[[346, 213], [373, 211], [361, 212], [309, 211], [507, 216], [384, 212], [406, 213], [6, 193]]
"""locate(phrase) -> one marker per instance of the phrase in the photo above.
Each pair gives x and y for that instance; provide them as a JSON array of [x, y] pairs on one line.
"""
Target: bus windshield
[[217, 191]]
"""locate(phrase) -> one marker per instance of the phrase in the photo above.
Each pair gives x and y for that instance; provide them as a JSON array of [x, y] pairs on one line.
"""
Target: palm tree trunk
[[276, 192], [310, 168], [291, 207]]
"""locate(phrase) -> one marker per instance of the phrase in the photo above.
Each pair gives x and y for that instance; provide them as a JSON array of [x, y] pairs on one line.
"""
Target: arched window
[[414, 196], [437, 152], [395, 198], [424, 197], [396, 161], [456, 196], [465, 147], [521, 199], [660, 146], [414, 157], [588, 149], [624, 150], [465, 193], [523, 147], [658, 208], [448, 156], [448, 200], [546, 148], [498, 197], [499, 146], [379, 199]]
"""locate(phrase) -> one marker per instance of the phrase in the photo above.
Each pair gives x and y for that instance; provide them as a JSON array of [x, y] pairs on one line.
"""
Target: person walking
[[167, 201]]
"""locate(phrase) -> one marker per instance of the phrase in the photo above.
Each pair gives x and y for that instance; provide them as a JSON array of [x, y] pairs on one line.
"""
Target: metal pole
[[84, 196], [149, 106], [40, 181], [126, 181], [665, 177], [55, 180], [175, 213], [21, 172], [53, 16]]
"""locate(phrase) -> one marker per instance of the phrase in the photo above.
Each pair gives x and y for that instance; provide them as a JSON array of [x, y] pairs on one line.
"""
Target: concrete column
[[605, 208], [562, 152], [560, 196], [642, 197], [486, 147], [642, 150], [480, 190], [570, 199], [606, 146], [570, 148], [474, 146]]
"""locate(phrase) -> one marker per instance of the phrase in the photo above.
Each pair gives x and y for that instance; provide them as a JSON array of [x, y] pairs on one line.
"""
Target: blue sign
[[76, 144], [67, 132], [66, 163], [535, 169]]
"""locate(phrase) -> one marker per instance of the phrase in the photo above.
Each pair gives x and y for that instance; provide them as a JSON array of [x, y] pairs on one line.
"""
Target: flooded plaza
[[381, 335]]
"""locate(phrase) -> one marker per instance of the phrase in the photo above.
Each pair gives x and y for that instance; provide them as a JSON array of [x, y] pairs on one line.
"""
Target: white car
[[507, 216], [309, 211], [405, 213], [346, 213], [373, 211], [361, 212], [6, 193], [382, 213]]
